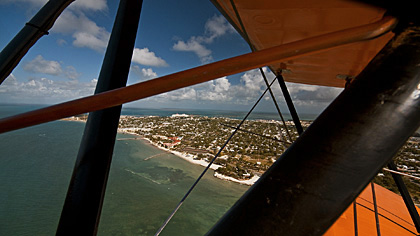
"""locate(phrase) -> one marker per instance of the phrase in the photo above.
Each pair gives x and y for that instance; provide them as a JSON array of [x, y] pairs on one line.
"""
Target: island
[[251, 151]]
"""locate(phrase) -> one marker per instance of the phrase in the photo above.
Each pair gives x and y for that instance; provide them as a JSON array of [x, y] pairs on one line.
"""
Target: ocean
[[36, 164]]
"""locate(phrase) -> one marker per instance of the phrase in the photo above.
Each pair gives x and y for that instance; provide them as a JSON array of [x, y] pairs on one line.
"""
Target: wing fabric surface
[[269, 23]]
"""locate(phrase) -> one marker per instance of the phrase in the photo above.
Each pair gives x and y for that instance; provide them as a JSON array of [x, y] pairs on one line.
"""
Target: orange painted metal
[[394, 218], [200, 74], [269, 23]]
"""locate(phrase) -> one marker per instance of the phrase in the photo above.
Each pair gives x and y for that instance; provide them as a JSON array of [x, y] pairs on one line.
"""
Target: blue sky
[[172, 36]]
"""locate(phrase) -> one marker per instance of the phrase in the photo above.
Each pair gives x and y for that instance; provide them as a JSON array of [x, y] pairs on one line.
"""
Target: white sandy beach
[[246, 182], [191, 158], [186, 156]]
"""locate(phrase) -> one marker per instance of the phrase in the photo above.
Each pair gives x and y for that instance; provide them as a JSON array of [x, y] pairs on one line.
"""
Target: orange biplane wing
[[268, 23]]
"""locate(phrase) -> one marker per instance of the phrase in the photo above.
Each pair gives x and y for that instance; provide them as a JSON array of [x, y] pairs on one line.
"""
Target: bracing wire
[[260, 135], [356, 230], [276, 105], [261, 70], [401, 173], [211, 162], [375, 206]]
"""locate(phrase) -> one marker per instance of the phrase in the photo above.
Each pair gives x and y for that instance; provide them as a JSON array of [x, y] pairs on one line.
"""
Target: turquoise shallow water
[[35, 169]]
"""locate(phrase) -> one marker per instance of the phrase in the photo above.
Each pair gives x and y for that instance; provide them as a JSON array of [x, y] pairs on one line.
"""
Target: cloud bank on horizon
[[49, 79]]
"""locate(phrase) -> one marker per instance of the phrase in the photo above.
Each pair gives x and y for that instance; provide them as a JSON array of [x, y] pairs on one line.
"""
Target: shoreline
[[190, 158], [183, 155]]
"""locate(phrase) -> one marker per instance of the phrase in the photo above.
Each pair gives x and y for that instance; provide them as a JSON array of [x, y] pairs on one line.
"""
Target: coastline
[[191, 159], [186, 156]]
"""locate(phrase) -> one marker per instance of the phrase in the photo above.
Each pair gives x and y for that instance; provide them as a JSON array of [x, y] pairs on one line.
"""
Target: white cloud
[[31, 2], [69, 22], [193, 45], [143, 73], [9, 81], [72, 21], [223, 93], [253, 85], [97, 42], [307, 95], [145, 57], [92, 5], [85, 32], [178, 95], [44, 90], [61, 42], [71, 73], [221, 85], [148, 73], [40, 65], [253, 81], [215, 27], [216, 90]]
